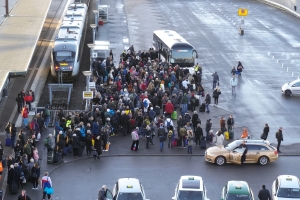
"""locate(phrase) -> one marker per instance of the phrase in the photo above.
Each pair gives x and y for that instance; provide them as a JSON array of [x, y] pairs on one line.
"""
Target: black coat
[[264, 194], [195, 119], [125, 120], [198, 132], [98, 146], [10, 176]]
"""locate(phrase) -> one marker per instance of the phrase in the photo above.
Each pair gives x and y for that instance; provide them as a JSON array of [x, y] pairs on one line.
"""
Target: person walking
[[265, 134], [216, 94], [207, 101], [240, 68], [198, 134], [190, 138], [35, 175], [215, 80], [135, 140], [102, 193], [279, 138], [23, 196], [264, 194], [233, 83], [233, 71], [46, 183]]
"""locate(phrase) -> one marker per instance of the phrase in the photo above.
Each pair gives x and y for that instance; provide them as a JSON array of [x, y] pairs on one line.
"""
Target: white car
[[190, 188], [291, 88], [286, 187], [128, 189]]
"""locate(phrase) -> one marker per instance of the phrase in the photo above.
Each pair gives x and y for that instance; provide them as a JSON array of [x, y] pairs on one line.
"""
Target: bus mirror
[[171, 52], [195, 52]]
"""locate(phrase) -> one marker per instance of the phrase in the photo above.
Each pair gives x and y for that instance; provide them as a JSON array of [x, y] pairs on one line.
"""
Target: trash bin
[[100, 22]]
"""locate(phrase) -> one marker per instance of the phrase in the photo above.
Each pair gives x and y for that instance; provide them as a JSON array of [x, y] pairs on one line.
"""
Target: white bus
[[174, 48]]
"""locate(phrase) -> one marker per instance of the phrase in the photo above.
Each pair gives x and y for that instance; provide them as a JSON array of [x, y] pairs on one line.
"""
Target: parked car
[[286, 187], [291, 88]]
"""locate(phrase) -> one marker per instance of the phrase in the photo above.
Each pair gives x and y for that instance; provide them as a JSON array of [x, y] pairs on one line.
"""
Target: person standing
[[222, 125], [190, 138], [243, 157], [216, 95], [46, 183], [265, 132], [98, 146], [148, 134], [102, 193], [264, 194], [193, 102], [161, 135], [20, 102], [25, 116], [35, 175], [135, 140], [219, 138], [230, 123], [233, 83], [10, 175], [207, 101], [215, 80], [279, 138], [245, 134], [195, 120], [23, 196], [13, 134]]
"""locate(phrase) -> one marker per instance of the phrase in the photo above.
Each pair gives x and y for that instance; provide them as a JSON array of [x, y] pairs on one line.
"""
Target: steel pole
[[6, 8]]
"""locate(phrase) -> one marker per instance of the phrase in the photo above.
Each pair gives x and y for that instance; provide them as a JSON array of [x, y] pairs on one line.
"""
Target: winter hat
[[108, 110], [74, 134], [108, 119], [151, 108], [137, 128]]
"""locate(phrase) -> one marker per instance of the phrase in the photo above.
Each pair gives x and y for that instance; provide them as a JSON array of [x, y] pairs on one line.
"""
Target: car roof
[[129, 185], [191, 183], [253, 141], [294, 81], [238, 187], [288, 181]]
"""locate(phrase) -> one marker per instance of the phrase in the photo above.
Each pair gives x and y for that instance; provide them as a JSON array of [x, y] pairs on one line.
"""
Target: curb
[[123, 155], [277, 5]]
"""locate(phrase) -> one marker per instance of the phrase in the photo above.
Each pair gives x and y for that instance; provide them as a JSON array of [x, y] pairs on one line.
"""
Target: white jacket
[[219, 139], [233, 81]]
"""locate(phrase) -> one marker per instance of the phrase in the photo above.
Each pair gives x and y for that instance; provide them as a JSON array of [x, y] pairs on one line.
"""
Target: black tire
[[220, 160], [288, 93], [263, 160]]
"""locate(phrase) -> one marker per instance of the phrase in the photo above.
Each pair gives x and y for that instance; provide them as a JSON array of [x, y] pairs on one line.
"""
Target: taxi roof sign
[[129, 186], [289, 179], [242, 12], [191, 178]]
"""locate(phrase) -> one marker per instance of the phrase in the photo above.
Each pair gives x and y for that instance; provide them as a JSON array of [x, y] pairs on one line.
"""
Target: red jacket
[[169, 108], [25, 112], [119, 85], [28, 98]]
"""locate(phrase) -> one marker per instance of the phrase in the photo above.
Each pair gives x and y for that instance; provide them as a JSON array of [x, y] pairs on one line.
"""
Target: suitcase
[[231, 134], [174, 143], [226, 134], [8, 142], [202, 144], [157, 110], [57, 158], [202, 107], [174, 115], [13, 189], [50, 155]]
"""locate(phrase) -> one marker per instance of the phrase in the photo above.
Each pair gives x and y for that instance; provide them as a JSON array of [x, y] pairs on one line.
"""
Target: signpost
[[242, 12], [92, 85]]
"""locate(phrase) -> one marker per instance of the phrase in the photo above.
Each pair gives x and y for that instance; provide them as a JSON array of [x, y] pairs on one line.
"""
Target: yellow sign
[[87, 95], [63, 64], [242, 12]]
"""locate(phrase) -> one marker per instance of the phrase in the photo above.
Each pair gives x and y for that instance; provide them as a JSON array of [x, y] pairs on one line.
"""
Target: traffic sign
[[242, 12], [92, 85]]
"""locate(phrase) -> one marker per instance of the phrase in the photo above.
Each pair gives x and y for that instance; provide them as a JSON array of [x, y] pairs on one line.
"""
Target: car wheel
[[263, 160], [220, 160], [288, 93]]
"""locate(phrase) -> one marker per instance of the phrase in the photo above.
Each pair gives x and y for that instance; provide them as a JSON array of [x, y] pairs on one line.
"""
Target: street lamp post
[[96, 18], [87, 74], [93, 26], [91, 46]]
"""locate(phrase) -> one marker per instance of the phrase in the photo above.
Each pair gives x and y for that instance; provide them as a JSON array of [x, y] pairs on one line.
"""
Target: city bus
[[174, 48]]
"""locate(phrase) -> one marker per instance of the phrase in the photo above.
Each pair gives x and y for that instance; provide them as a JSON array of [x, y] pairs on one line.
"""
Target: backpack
[[46, 142], [114, 120], [182, 132], [32, 125], [170, 133], [168, 123], [145, 103], [27, 149], [144, 124]]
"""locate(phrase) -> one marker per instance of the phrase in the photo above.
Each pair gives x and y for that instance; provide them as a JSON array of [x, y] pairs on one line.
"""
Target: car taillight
[[56, 68], [275, 152]]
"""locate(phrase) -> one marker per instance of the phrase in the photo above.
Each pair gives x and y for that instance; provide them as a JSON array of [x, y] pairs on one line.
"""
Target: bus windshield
[[182, 56], [67, 56]]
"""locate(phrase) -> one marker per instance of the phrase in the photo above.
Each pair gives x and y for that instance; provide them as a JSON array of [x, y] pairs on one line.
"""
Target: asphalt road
[[212, 28], [159, 175]]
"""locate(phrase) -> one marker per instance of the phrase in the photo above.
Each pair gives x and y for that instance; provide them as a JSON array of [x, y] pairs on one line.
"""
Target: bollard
[[241, 31]]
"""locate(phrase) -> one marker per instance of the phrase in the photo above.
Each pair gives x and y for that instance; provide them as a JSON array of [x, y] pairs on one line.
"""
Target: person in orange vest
[[244, 134]]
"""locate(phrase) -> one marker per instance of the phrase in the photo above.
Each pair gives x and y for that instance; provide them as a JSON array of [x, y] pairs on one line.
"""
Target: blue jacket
[[95, 129]]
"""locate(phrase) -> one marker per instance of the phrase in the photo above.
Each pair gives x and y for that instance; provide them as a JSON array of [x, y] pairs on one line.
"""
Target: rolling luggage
[[8, 142], [174, 115], [13, 189], [202, 107], [203, 143], [57, 158], [226, 134], [50, 155], [157, 110], [174, 143], [231, 134]]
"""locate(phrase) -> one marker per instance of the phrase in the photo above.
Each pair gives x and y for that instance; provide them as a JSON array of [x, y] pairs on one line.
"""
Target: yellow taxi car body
[[286, 187], [259, 151]]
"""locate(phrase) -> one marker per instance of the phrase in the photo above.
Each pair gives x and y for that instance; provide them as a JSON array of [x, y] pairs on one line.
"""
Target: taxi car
[[291, 88], [127, 189], [190, 188], [237, 190], [259, 151], [286, 187]]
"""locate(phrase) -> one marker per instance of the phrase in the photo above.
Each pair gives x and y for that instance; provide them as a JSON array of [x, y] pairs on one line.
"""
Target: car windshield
[[231, 145], [288, 192], [190, 195], [130, 196], [238, 197]]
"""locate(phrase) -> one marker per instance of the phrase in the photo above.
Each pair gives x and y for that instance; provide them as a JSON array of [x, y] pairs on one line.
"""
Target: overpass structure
[[19, 34]]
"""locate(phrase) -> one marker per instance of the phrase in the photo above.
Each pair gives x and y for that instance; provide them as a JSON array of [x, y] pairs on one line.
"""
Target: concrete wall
[[286, 3]]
